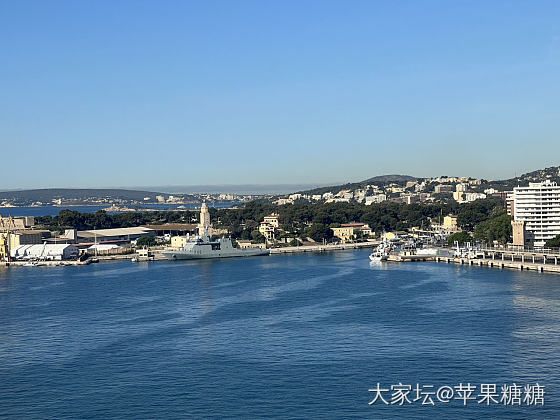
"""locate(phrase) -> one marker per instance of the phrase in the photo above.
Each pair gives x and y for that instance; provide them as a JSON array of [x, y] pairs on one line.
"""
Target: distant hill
[[49, 194], [552, 173], [243, 189], [376, 180], [385, 179]]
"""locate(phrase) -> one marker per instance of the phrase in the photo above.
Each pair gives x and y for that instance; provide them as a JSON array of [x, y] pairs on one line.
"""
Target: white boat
[[377, 258], [378, 255], [381, 253]]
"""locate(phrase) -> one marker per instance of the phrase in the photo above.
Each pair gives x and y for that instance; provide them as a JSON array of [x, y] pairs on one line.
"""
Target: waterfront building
[[347, 232], [103, 247], [26, 237], [538, 208], [49, 252], [344, 233], [244, 244], [115, 235], [519, 233], [173, 229], [179, 241], [12, 223], [4, 249]]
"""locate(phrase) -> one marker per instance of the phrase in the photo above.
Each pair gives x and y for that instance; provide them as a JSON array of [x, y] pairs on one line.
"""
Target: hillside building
[[268, 231], [443, 188], [450, 223]]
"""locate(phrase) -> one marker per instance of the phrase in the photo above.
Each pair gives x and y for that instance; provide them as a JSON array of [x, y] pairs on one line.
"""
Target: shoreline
[[500, 263]]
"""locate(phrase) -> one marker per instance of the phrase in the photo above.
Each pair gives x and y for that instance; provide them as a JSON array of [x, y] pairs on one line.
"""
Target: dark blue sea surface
[[286, 336]]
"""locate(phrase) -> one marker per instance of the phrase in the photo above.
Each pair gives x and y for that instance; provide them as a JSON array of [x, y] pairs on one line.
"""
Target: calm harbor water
[[284, 336]]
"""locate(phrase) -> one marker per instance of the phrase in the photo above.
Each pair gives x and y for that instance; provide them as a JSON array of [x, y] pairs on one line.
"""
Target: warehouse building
[[45, 252], [119, 235]]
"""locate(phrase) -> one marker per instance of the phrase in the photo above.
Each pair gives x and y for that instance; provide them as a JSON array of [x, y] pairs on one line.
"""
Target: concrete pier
[[541, 263], [322, 248]]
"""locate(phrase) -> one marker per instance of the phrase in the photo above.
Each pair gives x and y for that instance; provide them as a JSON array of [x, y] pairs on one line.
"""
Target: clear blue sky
[[124, 93]]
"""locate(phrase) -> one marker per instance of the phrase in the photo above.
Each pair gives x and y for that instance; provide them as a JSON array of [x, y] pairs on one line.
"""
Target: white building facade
[[48, 252], [538, 207]]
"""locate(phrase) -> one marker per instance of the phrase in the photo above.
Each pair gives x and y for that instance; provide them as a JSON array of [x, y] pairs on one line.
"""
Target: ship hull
[[185, 255]]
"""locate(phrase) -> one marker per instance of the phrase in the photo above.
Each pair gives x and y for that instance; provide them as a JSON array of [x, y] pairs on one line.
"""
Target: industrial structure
[[117, 235], [45, 252], [15, 231]]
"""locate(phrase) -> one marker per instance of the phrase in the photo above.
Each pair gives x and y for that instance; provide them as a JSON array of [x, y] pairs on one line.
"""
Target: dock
[[63, 263], [410, 258], [322, 248], [531, 260]]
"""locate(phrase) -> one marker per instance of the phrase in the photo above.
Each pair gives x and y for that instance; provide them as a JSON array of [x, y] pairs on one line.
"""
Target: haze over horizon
[[247, 188], [314, 93]]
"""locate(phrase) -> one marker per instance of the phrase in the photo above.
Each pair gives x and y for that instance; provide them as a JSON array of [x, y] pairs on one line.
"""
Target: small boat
[[29, 264], [378, 255], [381, 253]]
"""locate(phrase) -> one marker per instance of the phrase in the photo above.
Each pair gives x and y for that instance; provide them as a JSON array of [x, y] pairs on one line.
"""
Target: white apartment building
[[473, 196], [537, 207], [378, 198], [460, 188]]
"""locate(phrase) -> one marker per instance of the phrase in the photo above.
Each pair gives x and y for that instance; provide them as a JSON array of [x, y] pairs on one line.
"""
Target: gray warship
[[202, 246]]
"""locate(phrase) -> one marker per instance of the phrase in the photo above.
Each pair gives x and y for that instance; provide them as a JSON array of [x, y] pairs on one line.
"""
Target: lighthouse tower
[[204, 225]]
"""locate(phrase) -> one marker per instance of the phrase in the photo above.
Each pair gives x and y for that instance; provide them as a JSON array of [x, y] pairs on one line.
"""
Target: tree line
[[486, 218]]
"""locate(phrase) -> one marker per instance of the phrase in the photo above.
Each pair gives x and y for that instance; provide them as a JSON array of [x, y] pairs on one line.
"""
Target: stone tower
[[519, 233], [204, 225]]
